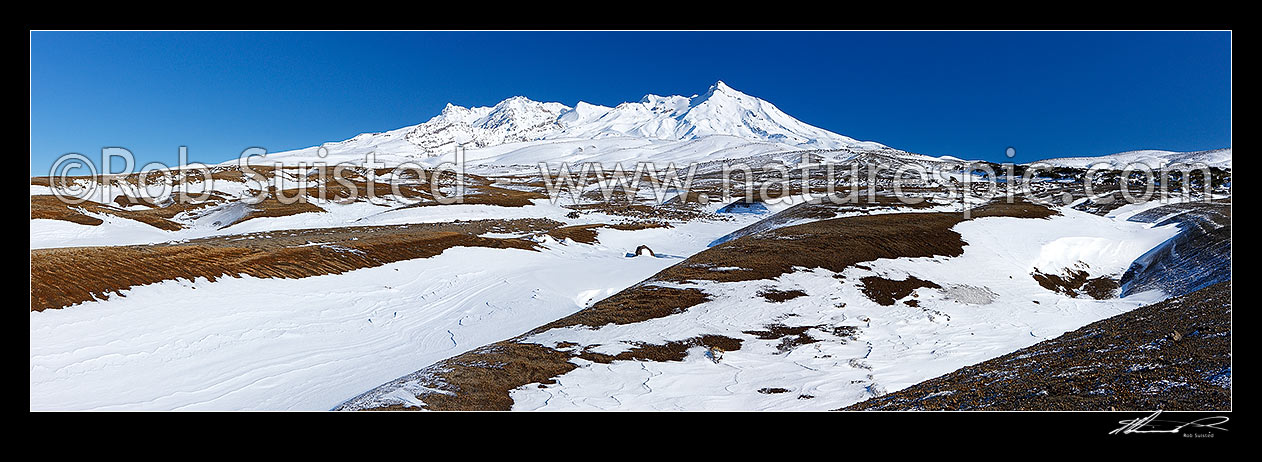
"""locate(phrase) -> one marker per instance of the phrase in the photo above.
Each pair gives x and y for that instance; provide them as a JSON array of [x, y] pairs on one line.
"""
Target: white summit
[[721, 110], [720, 123]]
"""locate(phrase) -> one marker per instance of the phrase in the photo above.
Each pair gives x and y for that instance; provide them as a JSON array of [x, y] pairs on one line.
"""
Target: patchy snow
[[309, 344], [1220, 158], [990, 306]]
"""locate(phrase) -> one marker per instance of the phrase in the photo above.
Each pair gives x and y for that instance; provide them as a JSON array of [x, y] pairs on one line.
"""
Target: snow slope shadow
[[1199, 256]]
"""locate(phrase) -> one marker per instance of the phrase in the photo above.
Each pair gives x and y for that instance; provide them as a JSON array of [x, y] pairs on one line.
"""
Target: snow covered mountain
[[721, 110], [513, 120], [1220, 158], [719, 124]]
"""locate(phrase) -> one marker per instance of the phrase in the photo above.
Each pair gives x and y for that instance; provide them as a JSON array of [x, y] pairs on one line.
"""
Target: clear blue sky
[[967, 94]]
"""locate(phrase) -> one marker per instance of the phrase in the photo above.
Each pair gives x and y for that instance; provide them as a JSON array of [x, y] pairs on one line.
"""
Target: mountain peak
[[515, 99], [722, 88], [722, 110]]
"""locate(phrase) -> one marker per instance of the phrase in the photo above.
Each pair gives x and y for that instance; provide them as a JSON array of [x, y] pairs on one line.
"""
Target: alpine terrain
[[703, 252]]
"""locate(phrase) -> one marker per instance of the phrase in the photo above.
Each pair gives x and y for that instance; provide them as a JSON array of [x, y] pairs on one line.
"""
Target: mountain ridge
[[721, 110], [1154, 158], [721, 123]]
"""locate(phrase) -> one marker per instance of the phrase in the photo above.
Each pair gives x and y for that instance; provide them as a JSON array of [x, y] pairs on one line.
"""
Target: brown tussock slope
[[61, 277]]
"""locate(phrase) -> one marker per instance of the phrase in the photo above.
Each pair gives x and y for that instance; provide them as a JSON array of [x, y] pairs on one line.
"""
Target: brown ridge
[[61, 277]]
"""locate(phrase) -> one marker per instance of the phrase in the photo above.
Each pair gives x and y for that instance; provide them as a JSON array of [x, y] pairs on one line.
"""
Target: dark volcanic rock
[[1199, 256]]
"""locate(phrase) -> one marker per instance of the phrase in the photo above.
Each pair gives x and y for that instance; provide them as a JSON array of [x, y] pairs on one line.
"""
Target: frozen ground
[[1220, 158], [312, 343], [308, 344], [988, 305]]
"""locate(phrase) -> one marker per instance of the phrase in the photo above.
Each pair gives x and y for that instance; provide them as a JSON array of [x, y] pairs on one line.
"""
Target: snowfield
[[311, 343], [288, 342], [989, 306]]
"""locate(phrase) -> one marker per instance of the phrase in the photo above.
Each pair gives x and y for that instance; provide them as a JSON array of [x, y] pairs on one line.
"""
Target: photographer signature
[[1150, 424]]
